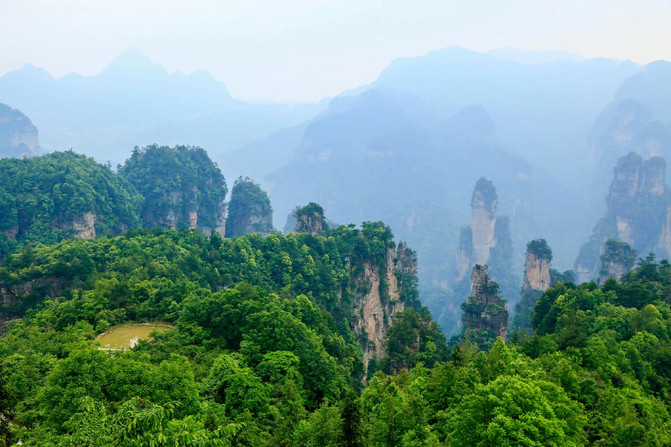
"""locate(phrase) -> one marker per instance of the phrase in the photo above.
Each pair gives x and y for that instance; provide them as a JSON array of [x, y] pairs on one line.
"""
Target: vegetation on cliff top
[[249, 209], [540, 249], [263, 351], [176, 181], [619, 252]]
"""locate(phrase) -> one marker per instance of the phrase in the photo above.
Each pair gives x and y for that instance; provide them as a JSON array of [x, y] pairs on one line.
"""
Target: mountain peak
[[30, 72], [132, 60]]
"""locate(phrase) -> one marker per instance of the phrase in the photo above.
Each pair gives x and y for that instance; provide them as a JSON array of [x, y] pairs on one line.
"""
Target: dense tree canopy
[[249, 209], [262, 334], [46, 199], [176, 182], [262, 351]]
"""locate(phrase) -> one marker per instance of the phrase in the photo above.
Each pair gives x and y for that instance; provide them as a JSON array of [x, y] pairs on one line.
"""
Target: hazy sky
[[303, 50]]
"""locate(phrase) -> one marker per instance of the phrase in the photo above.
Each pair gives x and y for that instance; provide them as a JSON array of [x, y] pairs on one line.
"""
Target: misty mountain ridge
[[408, 147], [136, 102]]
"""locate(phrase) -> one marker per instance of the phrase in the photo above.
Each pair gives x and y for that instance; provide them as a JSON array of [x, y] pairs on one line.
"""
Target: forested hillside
[[265, 351], [266, 332], [59, 195]]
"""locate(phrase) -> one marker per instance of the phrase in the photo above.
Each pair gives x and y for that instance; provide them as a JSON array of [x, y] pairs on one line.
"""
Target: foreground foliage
[[263, 353]]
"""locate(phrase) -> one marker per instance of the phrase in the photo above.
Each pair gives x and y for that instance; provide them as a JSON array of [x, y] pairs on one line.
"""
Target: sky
[[305, 50]]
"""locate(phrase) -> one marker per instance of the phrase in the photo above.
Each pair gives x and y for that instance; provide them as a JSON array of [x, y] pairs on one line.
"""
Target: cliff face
[[16, 298], [248, 223], [537, 268], [311, 223], [663, 246], [536, 273], [220, 223], [485, 315], [638, 214], [181, 210], [18, 135], [476, 242], [483, 221], [537, 279], [82, 227], [379, 292]]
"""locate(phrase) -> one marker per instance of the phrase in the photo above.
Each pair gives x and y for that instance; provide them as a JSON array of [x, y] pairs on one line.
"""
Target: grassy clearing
[[126, 336]]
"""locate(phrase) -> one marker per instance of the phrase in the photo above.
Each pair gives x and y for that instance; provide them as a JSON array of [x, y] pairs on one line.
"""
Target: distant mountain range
[[136, 102]]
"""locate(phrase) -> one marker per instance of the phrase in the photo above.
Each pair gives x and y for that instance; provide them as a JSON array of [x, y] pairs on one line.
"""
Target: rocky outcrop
[[18, 135], [85, 228], [617, 260], [182, 188], [537, 279], [249, 210], [310, 219], [380, 292], [638, 213], [486, 242], [82, 227], [537, 266], [68, 196], [485, 315]]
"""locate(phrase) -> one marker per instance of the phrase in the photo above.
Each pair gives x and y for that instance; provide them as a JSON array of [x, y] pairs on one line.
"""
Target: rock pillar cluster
[[638, 214]]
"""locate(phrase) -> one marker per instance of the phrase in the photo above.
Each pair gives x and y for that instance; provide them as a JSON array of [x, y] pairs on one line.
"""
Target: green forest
[[268, 340], [262, 352]]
